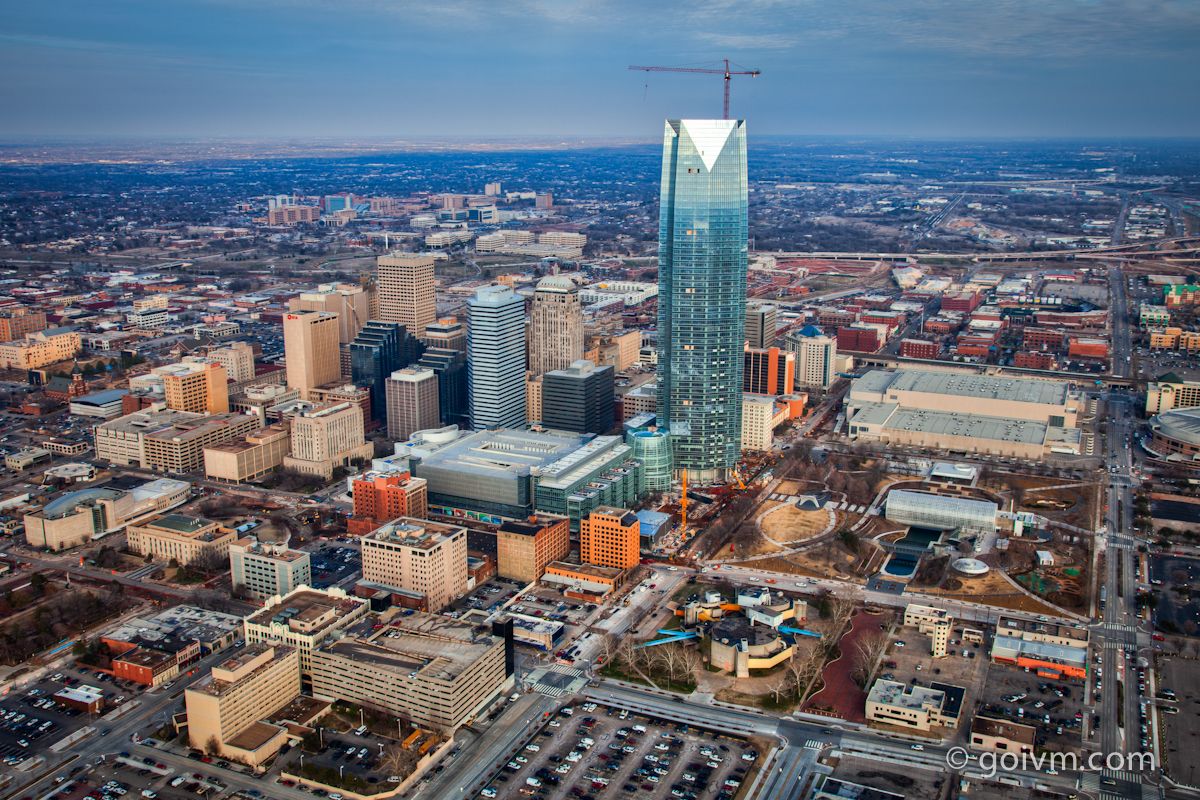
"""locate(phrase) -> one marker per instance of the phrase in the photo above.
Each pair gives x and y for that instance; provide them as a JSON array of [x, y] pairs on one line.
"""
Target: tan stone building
[[435, 671], [417, 555], [167, 440], [237, 358], [75, 518], [180, 538], [304, 619], [227, 711], [248, 459], [201, 387], [407, 291], [555, 325], [40, 349], [524, 548], [918, 707], [326, 437], [1002, 736], [310, 347], [348, 301]]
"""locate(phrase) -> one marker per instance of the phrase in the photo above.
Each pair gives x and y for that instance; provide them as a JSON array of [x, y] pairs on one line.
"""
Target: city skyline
[[930, 69]]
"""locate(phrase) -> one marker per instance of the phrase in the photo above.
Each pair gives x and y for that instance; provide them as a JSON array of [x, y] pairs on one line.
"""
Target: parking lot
[[1179, 679], [908, 661], [331, 565], [31, 720], [597, 752], [1054, 707]]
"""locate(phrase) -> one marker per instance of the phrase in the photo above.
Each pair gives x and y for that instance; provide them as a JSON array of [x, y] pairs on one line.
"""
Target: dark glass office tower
[[378, 350], [450, 366]]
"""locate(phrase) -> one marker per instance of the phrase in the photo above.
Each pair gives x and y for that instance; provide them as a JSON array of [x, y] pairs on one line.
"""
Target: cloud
[[749, 41]]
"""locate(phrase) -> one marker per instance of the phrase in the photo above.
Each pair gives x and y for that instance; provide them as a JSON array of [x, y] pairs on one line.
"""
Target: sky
[[361, 69]]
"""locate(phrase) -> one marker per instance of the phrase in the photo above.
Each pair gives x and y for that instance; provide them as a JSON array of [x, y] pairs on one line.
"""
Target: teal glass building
[[702, 253]]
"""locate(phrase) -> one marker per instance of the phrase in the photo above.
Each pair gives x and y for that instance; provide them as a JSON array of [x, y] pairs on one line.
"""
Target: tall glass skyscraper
[[702, 252], [496, 358]]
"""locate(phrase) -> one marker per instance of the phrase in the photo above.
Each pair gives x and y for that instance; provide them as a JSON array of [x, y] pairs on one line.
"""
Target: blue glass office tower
[[702, 248]]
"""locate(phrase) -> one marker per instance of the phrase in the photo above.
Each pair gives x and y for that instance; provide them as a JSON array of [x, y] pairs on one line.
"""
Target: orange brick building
[[610, 537], [524, 548], [383, 498]]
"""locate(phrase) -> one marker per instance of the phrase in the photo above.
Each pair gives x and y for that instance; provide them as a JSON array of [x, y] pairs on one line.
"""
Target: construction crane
[[727, 73]]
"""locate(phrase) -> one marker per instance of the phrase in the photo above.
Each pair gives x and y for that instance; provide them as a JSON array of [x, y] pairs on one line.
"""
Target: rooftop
[[436, 647], [421, 534], [890, 416], [963, 384], [1025, 734]]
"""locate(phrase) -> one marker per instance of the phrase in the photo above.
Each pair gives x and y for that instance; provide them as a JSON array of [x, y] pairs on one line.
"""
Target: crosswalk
[[815, 744]]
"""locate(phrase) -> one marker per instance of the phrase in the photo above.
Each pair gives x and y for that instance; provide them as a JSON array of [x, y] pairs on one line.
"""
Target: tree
[[212, 746], [37, 582]]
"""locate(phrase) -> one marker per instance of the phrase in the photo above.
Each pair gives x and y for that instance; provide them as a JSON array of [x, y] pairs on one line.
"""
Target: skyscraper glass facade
[[702, 293]]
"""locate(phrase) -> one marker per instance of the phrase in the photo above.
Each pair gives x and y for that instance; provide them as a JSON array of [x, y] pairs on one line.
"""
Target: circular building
[[1175, 435], [970, 566], [653, 449], [737, 645]]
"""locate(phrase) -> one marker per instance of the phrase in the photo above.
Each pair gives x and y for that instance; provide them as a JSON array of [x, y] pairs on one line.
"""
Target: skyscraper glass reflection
[[702, 293]]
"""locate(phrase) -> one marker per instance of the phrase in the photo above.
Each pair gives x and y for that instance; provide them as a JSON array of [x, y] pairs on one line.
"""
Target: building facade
[[407, 291], [703, 235], [610, 537], [310, 346], [555, 325], [181, 538], [525, 547], [578, 398], [496, 358], [429, 558], [412, 402], [265, 570]]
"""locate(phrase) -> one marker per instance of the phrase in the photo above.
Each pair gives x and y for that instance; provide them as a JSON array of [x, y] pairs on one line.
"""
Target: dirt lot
[[1181, 731], [904, 779], [994, 590], [595, 753], [790, 525]]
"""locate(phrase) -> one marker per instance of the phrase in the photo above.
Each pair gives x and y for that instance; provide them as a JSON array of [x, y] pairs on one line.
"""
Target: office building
[[761, 322], [380, 349], [496, 358], [407, 291], [18, 322], [102, 405], [618, 350], [180, 538], [434, 671], [610, 537], [494, 475], [815, 357], [237, 358], [382, 497], [304, 620], [76, 518], [702, 293], [533, 398], [348, 301], [760, 417], [40, 349], [447, 334], [579, 398], [917, 707], [525, 547], [167, 440], [412, 402], [936, 623], [249, 458], [1169, 393], [201, 387], [450, 367], [1002, 736], [263, 570], [419, 556], [941, 512], [310, 346], [326, 437], [226, 711], [768, 372], [555, 325]]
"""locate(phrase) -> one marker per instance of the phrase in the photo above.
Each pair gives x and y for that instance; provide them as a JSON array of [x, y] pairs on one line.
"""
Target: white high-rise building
[[814, 359], [496, 358]]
